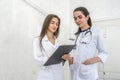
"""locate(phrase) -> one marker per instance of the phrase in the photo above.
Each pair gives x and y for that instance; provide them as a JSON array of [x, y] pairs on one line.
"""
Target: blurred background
[[21, 21]]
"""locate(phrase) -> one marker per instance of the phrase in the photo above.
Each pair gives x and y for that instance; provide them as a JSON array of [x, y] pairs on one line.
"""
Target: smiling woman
[[45, 45]]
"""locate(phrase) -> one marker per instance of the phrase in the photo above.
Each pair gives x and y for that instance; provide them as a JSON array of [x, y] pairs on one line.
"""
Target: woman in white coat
[[89, 39], [45, 45]]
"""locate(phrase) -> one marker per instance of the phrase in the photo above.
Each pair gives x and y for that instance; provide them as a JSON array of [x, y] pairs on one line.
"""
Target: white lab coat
[[52, 72], [83, 52]]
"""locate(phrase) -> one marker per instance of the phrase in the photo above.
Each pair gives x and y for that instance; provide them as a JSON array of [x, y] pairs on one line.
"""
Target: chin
[[53, 31], [79, 26]]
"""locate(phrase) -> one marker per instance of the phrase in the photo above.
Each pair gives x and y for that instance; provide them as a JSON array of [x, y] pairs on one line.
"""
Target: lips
[[54, 28], [78, 23]]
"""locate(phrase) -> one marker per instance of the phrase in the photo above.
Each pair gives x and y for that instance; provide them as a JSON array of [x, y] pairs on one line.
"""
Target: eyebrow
[[52, 21], [78, 16]]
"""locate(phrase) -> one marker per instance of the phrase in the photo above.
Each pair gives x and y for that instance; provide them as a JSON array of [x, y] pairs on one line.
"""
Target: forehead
[[77, 13], [54, 19]]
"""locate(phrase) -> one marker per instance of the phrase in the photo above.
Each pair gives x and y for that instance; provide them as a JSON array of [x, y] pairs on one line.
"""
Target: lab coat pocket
[[45, 74], [86, 71]]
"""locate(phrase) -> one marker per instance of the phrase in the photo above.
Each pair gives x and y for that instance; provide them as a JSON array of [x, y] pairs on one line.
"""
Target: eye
[[52, 22], [57, 24], [80, 17], [75, 18]]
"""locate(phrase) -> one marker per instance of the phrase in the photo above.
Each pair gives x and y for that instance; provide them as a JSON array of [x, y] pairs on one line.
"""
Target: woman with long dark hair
[[45, 45]]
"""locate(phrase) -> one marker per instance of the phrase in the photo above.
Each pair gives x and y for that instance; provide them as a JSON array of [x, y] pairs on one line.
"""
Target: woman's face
[[80, 19], [53, 26]]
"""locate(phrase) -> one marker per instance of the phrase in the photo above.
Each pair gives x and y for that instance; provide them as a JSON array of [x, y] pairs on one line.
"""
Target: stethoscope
[[86, 37]]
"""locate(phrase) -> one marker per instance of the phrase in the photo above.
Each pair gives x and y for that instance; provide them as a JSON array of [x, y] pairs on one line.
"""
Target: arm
[[92, 60], [67, 57], [39, 54], [102, 53]]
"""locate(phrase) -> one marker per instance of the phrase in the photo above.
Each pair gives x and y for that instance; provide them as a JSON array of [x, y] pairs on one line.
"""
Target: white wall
[[19, 24], [17, 27], [111, 30]]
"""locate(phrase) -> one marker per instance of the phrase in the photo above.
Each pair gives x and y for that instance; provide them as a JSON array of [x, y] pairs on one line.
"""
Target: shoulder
[[36, 39], [99, 33], [96, 30]]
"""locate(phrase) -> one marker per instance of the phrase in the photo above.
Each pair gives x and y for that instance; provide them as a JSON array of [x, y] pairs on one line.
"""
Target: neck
[[85, 27], [50, 35]]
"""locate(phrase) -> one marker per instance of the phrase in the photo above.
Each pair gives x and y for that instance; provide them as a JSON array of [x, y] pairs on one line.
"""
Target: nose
[[77, 19], [55, 25]]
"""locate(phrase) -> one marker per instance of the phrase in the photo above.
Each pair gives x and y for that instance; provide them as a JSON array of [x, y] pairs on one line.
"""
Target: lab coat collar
[[86, 29], [45, 38]]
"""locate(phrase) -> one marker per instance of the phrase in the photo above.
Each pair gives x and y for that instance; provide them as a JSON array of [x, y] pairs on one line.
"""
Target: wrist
[[71, 60]]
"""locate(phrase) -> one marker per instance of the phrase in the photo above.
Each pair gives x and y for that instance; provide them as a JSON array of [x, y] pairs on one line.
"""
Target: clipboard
[[56, 57]]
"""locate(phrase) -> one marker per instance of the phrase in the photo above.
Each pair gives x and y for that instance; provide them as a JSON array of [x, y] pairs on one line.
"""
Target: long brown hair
[[46, 25], [85, 13]]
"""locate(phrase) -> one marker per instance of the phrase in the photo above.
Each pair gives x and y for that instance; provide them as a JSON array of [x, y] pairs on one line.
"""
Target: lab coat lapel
[[46, 39]]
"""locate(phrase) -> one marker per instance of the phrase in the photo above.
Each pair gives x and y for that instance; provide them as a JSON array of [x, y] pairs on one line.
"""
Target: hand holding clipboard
[[56, 57]]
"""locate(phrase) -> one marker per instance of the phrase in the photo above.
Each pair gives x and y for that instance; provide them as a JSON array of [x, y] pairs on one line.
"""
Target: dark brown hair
[[85, 13]]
